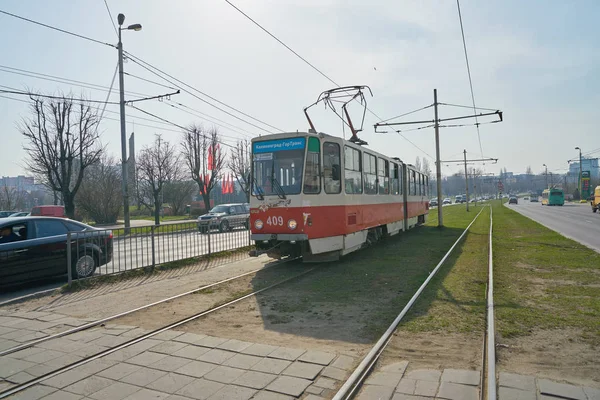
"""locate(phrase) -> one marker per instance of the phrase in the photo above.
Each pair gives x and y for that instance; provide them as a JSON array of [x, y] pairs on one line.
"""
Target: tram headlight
[[258, 224], [292, 224]]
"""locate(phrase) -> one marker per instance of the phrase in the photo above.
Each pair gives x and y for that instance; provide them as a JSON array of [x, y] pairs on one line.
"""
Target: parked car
[[19, 214], [4, 214], [35, 248], [447, 201], [513, 200], [433, 202], [225, 217]]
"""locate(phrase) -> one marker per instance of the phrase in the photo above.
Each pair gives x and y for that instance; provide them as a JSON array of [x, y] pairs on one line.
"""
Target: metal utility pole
[[546, 174], [436, 124], [580, 173], [438, 163], [466, 179]]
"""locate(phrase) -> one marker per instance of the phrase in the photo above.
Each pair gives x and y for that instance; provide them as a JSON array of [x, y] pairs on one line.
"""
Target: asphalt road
[[575, 221]]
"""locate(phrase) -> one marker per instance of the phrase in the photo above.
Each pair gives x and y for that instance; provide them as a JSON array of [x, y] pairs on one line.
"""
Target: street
[[575, 221]]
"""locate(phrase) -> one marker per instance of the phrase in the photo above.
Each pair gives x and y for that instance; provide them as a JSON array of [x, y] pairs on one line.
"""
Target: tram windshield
[[277, 166]]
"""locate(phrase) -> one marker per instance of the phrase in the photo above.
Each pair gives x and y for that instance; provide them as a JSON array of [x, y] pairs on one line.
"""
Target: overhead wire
[[111, 17], [58, 29], [469, 73]]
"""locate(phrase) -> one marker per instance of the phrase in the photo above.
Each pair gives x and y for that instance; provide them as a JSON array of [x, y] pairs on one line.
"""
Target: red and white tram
[[321, 197]]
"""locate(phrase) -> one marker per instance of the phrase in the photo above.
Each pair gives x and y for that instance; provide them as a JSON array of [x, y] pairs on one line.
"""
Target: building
[[21, 183], [589, 164]]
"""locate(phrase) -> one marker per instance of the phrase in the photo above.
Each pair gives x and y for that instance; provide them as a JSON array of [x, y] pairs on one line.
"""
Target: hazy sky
[[537, 61]]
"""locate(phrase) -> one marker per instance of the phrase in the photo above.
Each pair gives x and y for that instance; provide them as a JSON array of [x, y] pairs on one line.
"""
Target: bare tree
[[179, 194], [62, 142], [239, 163], [156, 165], [418, 163], [11, 198], [204, 158], [100, 197]]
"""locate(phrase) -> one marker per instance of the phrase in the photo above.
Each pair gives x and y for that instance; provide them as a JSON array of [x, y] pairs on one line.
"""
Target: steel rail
[[360, 373], [124, 313], [491, 330], [35, 381]]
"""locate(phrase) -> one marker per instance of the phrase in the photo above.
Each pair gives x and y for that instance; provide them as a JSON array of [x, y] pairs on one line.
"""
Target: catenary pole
[[466, 179], [438, 163], [123, 136]]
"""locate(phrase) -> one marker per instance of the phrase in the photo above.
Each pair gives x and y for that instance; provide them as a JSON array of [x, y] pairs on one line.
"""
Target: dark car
[[4, 214], [225, 217], [35, 248], [513, 200]]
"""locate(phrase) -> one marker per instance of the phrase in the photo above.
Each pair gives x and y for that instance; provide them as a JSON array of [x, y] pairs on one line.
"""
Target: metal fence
[[110, 251]]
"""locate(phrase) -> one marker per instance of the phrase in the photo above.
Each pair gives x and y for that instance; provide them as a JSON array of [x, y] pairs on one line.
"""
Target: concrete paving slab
[[234, 345], [168, 335], [4, 330], [303, 370], [326, 383], [390, 379], [232, 392], [592, 394], [63, 360], [135, 333], [146, 358], [177, 397], [143, 376], [170, 363], [406, 386], [254, 380], [266, 395], [89, 350], [190, 338], [169, 347], [35, 392], [110, 341], [43, 356], [40, 369], [257, 349], [10, 368], [370, 392], [21, 354], [196, 369], [561, 390], [425, 388], [462, 376], [116, 391], [210, 341], [455, 391], [425, 375], [289, 385], [20, 377], [89, 385], [243, 361], [30, 337], [15, 333], [343, 362], [334, 373], [271, 366], [119, 371], [314, 397], [6, 344], [62, 395], [403, 396], [62, 344], [216, 356], [170, 383], [95, 366], [312, 389], [200, 389], [317, 357], [191, 351], [509, 393], [286, 353], [224, 374], [147, 394], [517, 381], [66, 378], [395, 367]]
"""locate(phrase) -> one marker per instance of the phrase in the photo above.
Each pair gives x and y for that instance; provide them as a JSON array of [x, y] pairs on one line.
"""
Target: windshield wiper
[[258, 188], [278, 188]]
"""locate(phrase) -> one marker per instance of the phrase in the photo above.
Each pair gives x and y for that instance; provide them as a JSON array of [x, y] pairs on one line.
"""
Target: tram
[[320, 197]]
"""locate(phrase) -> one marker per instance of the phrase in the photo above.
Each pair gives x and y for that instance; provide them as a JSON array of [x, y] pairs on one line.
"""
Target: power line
[[58, 29], [408, 113], [111, 17], [31, 94], [469, 73], [149, 81], [469, 107], [149, 67]]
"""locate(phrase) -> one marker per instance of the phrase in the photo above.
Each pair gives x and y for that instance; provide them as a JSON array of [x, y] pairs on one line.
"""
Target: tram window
[[352, 171], [312, 171], [370, 169], [395, 179], [413, 183], [331, 168], [383, 176], [426, 186]]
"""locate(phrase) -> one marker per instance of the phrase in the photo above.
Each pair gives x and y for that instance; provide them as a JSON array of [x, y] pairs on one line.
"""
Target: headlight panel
[[258, 224], [292, 224]]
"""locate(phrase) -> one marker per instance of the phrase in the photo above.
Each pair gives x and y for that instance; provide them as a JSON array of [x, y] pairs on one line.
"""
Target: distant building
[[589, 164], [21, 183]]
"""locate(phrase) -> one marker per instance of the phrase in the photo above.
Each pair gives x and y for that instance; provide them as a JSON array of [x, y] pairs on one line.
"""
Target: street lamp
[[580, 166], [546, 175], [134, 27]]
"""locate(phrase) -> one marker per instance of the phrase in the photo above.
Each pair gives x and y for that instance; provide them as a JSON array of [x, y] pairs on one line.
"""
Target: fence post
[[209, 252], [153, 251], [249, 235], [69, 274]]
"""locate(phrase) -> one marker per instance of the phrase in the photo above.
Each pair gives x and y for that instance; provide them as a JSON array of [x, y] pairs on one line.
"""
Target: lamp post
[[546, 174], [580, 166], [134, 27]]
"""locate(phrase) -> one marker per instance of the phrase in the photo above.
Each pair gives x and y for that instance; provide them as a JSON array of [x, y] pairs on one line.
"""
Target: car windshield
[[277, 166], [220, 209]]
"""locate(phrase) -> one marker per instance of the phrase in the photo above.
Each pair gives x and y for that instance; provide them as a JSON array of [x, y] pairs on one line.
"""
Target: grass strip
[[542, 279]]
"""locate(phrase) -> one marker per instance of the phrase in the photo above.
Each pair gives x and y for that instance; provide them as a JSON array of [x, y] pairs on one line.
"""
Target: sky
[[536, 61]]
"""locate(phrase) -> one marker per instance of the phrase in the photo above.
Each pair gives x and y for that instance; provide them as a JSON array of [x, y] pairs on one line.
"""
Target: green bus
[[553, 197]]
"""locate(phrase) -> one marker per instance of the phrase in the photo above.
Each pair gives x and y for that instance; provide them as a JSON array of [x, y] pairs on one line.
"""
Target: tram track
[[352, 385], [20, 387]]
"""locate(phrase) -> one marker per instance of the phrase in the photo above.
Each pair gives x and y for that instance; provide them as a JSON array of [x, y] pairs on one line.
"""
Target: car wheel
[[224, 226], [85, 266]]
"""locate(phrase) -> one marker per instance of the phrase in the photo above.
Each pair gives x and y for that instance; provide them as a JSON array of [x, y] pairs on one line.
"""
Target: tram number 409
[[275, 221]]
